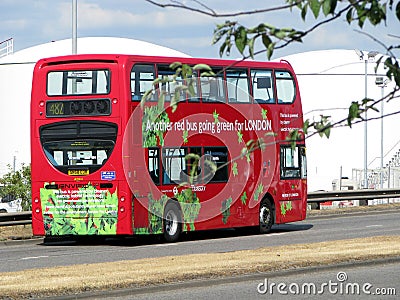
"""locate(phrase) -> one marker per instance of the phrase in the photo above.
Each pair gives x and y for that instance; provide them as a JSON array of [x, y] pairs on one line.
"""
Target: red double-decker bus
[[106, 163]]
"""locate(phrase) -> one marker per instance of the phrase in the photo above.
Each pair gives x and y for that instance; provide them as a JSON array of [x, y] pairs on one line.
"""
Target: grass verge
[[122, 274]]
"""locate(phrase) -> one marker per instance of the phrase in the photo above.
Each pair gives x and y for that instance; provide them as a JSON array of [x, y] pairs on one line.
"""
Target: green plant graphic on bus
[[189, 204], [226, 209], [154, 125], [285, 207], [156, 211], [86, 211]]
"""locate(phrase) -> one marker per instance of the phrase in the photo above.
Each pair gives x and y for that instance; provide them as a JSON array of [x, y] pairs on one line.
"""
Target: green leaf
[[240, 136], [185, 136], [361, 20], [250, 44], [216, 116], [234, 169], [266, 40], [328, 6], [349, 16], [280, 34], [191, 89], [306, 125], [161, 101], [315, 6], [258, 191], [270, 50], [327, 130], [175, 65], [241, 39], [202, 67], [354, 112], [283, 209], [304, 12], [243, 198], [222, 49], [264, 113], [147, 95]]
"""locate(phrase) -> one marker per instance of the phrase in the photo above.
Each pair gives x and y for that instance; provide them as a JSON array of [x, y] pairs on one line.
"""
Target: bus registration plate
[[78, 172]]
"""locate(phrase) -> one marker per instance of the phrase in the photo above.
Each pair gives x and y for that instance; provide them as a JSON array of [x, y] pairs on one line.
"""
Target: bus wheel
[[266, 218], [172, 223]]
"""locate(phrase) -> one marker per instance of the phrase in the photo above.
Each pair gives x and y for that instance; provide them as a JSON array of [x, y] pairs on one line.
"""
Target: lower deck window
[[188, 165]]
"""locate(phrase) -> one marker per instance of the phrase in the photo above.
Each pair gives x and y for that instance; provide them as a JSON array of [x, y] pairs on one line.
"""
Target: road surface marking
[[34, 257]]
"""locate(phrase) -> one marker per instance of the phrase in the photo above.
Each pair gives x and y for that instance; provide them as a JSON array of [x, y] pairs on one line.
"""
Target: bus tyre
[[172, 222], [265, 216]]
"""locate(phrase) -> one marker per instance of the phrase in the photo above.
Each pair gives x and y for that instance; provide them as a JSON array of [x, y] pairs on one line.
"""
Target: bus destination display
[[62, 108]]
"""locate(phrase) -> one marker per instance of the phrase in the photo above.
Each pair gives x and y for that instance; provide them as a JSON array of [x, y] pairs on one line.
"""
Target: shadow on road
[[139, 240]]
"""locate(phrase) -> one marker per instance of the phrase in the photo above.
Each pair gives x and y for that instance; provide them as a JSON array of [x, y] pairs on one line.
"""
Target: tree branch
[[212, 13]]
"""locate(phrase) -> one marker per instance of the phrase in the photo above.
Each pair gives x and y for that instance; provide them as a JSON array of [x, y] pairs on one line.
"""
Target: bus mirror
[[263, 83]]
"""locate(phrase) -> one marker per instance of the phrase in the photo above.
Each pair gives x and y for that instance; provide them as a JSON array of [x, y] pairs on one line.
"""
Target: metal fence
[[19, 218], [24, 218]]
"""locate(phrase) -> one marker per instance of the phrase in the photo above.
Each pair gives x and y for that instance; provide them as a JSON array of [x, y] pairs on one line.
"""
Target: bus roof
[[121, 58]]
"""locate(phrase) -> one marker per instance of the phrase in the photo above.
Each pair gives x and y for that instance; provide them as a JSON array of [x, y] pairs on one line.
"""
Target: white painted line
[[34, 257], [369, 226]]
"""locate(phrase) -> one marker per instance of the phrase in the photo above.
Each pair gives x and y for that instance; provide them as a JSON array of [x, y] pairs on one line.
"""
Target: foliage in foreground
[[18, 184]]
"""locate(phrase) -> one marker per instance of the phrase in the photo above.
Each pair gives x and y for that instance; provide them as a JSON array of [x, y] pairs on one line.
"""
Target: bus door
[[292, 190]]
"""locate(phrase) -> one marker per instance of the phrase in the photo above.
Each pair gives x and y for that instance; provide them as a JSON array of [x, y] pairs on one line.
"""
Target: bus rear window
[[85, 156], [78, 147], [78, 82]]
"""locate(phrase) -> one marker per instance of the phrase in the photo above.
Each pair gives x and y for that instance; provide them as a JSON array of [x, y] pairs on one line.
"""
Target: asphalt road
[[371, 281], [34, 254]]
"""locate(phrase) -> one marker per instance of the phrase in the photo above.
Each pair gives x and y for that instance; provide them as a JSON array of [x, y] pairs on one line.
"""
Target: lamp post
[[370, 56], [382, 84], [74, 26]]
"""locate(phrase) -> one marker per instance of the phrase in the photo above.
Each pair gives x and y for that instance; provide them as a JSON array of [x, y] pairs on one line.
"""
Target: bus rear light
[[37, 210], [41, 103], [114, 101], [122, 199], [36, 200], [122, 209]]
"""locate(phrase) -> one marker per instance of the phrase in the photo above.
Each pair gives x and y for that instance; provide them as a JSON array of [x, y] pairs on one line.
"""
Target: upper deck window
[[263, 89], [213, 87], [78, 82], [237, 86], [142, 77], [170, 88], [285, 87]]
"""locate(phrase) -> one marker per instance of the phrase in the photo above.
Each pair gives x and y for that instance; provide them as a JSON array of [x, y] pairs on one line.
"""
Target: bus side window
[[216, 164], [194, 82], [174, 165], [153, 164], [237, 86], [263, 89], [213, 87], [142, 77], [285, 87], [170, 88]]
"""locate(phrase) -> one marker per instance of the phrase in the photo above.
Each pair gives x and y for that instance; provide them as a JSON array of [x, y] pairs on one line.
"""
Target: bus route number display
[[55, 108], [65, 108]]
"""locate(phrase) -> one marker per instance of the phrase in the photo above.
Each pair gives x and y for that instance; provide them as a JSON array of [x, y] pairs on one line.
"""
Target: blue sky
[[33, 22]]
